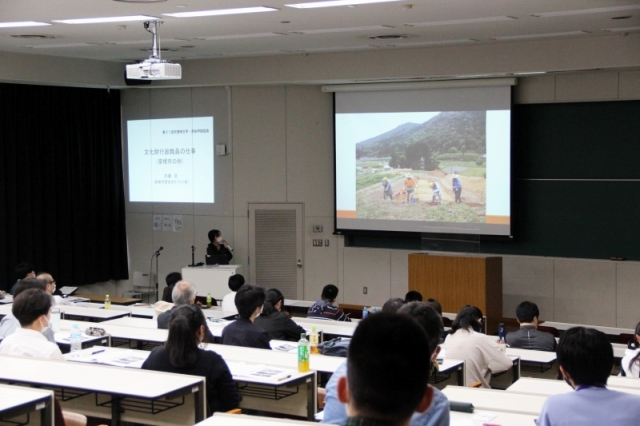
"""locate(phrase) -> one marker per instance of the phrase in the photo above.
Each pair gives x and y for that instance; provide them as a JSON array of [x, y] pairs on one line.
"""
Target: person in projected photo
[[388, 192], [410, 186], [437, 197], [457, 187], [218, 246]]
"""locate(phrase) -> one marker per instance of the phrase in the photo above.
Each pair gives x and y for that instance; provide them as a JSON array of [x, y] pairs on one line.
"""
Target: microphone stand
[[157, 255], [193, 257]]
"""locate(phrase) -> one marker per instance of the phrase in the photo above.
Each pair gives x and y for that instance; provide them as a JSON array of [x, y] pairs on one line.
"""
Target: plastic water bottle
[[313, 340], [107, 302], [76, 338], [365, 312], [303, 354], [502, 332], [208, 300]]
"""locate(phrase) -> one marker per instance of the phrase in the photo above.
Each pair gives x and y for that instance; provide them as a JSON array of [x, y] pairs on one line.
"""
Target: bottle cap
[[107, 295], [313, 328]]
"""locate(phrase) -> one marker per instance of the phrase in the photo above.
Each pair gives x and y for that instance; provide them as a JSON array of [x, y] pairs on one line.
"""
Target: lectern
[[456, 281]]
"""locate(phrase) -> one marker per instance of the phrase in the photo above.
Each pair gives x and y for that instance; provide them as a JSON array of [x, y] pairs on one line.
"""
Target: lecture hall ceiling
[[288, 31]]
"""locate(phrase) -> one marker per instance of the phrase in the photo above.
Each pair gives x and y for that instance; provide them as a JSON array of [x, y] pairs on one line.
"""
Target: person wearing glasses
[[51, 287]]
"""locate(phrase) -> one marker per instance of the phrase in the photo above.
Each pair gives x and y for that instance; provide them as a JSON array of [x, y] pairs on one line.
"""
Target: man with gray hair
[[184, 293]]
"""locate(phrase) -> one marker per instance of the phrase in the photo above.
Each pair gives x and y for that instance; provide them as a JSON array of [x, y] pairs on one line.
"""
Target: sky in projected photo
[[365, 126]]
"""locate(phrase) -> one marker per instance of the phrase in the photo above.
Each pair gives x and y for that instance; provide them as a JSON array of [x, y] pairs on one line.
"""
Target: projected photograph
[[421, 166]]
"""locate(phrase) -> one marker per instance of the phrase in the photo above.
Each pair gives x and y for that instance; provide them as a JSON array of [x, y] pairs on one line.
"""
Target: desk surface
[[121, 332], [15, 396], [100, 314], [548, 387], [224, 419], [502, 419], [99, 298], [614, 331], [528, 355], [623, 382], [497, 400], [337, 328], [95, 378], [298, 303]]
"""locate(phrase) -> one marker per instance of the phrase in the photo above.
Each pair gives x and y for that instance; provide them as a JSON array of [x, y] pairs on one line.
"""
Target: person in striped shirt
[[325, 309]]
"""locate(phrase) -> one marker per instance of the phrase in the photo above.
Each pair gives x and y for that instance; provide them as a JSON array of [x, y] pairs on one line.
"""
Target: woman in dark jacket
[[277, 323]]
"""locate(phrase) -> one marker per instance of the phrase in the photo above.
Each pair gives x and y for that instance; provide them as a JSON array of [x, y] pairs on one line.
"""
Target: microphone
[[228, 246], [158, 251]]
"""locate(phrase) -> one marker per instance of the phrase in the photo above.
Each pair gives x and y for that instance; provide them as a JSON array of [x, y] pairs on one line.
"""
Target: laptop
[[221, 259]]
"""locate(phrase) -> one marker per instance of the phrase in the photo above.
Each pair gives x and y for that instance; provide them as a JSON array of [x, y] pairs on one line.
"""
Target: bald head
[[184, 293], [48, 280]]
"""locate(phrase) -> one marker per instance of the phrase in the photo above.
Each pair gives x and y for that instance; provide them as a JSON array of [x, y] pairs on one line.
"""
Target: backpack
[[335, 347]]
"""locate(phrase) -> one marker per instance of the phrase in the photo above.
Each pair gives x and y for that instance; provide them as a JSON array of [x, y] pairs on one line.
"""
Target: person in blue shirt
[[438, 413], [387, 191], [585, 359], [457, 187]]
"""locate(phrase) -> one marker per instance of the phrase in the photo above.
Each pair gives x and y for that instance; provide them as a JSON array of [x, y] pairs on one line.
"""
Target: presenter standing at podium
[[218, 246]]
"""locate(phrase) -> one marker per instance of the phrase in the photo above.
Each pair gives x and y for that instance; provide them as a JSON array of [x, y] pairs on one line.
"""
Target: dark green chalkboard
[[574, 188]]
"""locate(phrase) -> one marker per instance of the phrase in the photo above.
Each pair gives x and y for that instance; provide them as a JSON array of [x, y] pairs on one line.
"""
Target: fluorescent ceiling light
[[164, 40], [22, 24], [436, 43], [239, 36], [521, 37], [587, 11], [334, 3], [218, 12], [54, 46], [342, 30], [461, 21], [623, 29], [108, 19]]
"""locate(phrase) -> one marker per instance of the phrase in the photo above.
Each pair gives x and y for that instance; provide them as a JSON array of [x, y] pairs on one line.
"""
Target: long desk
[[17, 400], [479, 418], [297, 307], [224, 419], [612, 331], [144, 310], [134, 334], [623, 382], [328, 328], [99, 298], [96, 315], [211, 279], [497, 400], [554, 387], [121, 388]]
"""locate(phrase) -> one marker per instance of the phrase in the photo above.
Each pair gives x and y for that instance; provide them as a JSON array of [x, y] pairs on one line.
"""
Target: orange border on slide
[[498, 220], [346, 214]]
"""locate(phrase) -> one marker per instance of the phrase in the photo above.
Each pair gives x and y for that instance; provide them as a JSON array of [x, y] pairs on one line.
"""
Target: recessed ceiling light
[[218, 12], [22, 24], [525, 36], [586, 11], [461, 21], [107, 19], [36, 36], [334, 3]]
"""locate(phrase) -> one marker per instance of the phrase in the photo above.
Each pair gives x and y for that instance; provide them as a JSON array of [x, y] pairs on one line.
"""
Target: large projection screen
[[424, 160]]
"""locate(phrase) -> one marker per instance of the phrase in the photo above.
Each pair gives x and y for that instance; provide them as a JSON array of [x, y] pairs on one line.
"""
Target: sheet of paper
[[285, 347], [167, 222], [177, 223], [157, 222], [485, 417]]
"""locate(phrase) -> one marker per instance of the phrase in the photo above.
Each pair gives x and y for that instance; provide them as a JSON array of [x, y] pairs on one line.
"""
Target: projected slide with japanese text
[[171, 160]]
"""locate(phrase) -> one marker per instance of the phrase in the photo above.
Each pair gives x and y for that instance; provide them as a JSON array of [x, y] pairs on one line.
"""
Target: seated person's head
[[28, 283], [585, 357], [329, 293], [468, 317], [49, 281], [435, 305], [413, 296], [387, 382], [173, 278], [392, 305], [249, 300], [430, 321], [213, 235], [25, 270], [184, 293], [235, 282], [273, 301], [528, 313], [31, 306], [187, 329]]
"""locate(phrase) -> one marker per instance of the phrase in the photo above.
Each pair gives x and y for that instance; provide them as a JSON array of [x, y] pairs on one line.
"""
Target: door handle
[[299, 264]]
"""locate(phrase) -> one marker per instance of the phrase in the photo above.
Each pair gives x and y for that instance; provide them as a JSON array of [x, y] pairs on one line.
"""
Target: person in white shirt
[[32, 308], [481, 354], [229, 300], [631, 362], [10, 323]]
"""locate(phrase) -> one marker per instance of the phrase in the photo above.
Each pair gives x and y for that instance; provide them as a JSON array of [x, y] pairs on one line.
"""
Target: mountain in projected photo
[[447, 132]]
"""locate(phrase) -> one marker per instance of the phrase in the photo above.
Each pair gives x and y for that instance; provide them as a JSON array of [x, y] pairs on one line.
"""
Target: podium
[[456, 281], [212, 279]]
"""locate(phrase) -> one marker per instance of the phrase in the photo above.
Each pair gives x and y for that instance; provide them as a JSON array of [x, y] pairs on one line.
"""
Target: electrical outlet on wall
[[317, 228], [326, 243], [317, 243], [364, 290]]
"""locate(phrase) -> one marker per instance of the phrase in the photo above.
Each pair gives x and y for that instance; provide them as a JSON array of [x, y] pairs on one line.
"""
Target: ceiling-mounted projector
[[154, 68]]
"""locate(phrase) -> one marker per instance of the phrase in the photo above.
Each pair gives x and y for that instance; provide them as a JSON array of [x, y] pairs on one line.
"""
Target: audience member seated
[[528, 337], [435, 305], [438, 413], [392, 305], [413, 296], [631, 362], [585, 359], [229, 300], [386, 384], [171, 281], [183, 294], [324, 308], [32, 308], [51, 288], [274, 321], [243, 332], [481, 354], [180, 354], [10, 323], [23, 270]]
